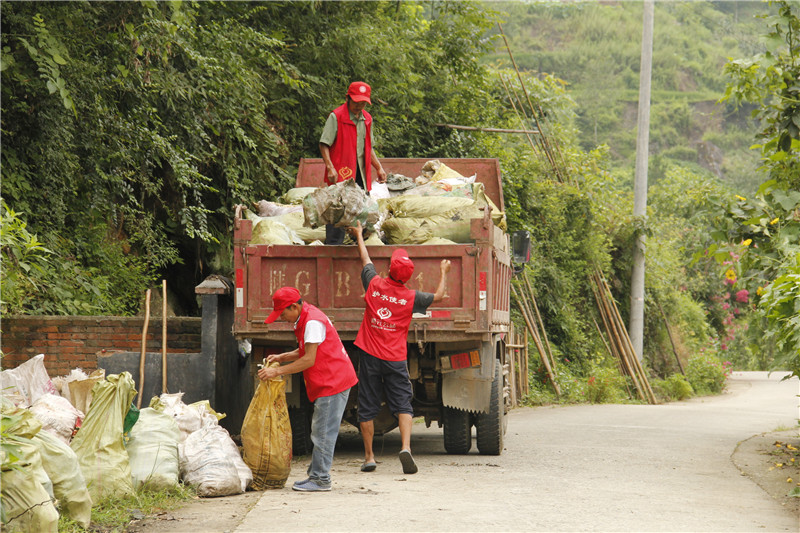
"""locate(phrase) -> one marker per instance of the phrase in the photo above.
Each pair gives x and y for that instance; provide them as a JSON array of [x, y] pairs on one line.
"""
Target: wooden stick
[[511, 356], [539, 318], [164, 336], [144, 347], [526, 385], [538, 343], [671, 340], [489, 130]]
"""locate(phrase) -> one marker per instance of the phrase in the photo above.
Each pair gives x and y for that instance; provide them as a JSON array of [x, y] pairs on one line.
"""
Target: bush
[[674, 388], [706, 374]]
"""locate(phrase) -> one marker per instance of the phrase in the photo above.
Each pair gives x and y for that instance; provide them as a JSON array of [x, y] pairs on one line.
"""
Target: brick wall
[[74, 341]]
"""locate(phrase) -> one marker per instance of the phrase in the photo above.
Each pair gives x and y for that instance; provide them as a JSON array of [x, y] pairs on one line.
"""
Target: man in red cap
[[346, 147], [381, 344], [328, 374]]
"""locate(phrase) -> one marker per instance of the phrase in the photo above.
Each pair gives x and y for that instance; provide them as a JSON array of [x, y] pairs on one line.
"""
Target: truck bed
[[476, 303]]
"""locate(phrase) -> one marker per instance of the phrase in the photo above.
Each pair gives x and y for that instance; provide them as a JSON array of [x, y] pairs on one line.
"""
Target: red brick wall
[[69, 342]]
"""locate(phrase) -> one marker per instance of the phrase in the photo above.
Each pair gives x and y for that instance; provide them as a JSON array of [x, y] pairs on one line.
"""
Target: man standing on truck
[[381, 344], [328, 374], [346, 147]]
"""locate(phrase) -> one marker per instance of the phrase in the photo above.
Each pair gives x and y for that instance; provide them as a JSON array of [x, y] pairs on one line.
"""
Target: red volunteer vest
[[344, 151], [332, 371], [384, 330]]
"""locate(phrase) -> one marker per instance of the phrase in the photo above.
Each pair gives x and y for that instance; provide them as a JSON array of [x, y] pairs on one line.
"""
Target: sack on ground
[[69, 486], [57, 415], [80, 389], [27, 502], [206, 462], [267, 436], [99, 445], [26, 383], [153, 451]]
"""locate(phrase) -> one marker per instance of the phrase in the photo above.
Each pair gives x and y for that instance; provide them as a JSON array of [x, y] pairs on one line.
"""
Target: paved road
[[575, 468]]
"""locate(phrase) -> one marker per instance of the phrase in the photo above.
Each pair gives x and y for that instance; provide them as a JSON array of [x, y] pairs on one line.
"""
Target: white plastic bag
[[27, 383], [153, 450], [57, 416], [207, 463]]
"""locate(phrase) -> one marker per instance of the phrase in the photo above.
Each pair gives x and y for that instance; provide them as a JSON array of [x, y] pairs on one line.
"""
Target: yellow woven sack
[[267, 436]]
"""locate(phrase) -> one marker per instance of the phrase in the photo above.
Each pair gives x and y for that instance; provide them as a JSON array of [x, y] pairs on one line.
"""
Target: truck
[[456, 351]]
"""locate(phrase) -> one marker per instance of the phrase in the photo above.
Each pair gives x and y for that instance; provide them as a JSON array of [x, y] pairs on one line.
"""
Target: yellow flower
[[788, 480], [730, 274], [779, 465], [790, 447], [773, 221], [741, 198], [759, 290], [747, 242]]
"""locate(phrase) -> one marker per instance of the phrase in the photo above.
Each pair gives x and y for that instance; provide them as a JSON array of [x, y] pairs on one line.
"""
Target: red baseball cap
[[359, 92], [401, 267], [283, 298]]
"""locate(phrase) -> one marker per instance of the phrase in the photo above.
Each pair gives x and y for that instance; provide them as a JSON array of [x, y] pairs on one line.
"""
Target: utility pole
[[640, 181]]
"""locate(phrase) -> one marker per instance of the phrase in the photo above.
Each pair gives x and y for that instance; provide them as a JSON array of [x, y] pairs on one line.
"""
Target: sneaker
[[311, 485], [409, 466]]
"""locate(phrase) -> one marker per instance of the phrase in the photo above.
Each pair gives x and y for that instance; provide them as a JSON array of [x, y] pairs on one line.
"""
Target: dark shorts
[[376, 377]]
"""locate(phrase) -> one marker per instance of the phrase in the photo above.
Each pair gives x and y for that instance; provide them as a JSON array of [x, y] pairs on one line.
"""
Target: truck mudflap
[[470, 389]]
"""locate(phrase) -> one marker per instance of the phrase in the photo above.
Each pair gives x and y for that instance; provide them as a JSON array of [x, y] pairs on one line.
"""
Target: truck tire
[[489, 427], [300, 420], [457, 431]]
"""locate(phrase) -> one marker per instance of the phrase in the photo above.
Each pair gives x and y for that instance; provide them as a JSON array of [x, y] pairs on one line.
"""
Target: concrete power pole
[[640, 181]]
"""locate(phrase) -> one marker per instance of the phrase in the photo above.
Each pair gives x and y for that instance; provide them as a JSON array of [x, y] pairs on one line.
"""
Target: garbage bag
[[422, 206], [267, 436], [57, 415], [206, 462], [442, 188], [190, 418], [296, 195], [265, 208], [342, 204], [80, 389], [153, 450], [69, 486], [99, 444], [270, 230], [26, 383], [27, 504], [296, 221]]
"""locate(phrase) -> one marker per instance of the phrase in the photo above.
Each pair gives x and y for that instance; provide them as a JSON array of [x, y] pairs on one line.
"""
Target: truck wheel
[[489, 426], [300, 419], [457, 431]]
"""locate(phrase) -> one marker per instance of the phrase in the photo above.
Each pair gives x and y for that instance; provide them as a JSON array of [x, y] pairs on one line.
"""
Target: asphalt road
[[575, 468]]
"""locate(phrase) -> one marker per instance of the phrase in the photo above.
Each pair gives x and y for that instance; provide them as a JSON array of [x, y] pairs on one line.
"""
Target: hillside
[[594, 48]]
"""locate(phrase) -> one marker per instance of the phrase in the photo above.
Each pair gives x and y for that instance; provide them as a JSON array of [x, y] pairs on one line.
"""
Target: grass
[[114, 514]]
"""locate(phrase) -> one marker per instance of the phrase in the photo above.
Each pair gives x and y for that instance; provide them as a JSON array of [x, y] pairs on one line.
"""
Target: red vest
[[344, 151], [384, 330], [332, 371]]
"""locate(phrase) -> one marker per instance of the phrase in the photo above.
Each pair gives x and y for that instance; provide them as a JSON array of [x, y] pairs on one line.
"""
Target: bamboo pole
[[526, 384], [488, 130], [511, 356], [651, 397], [513, 105], [671, 340], [164, 336], [537, 342], [144, 347], [539, 319], [615, 334]]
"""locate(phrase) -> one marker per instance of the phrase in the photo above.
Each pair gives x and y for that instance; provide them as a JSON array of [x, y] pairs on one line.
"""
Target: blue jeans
[[328, 411]]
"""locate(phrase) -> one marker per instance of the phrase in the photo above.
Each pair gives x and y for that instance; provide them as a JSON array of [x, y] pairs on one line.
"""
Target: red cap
[[401, 267], [283, 298], [359, 92]]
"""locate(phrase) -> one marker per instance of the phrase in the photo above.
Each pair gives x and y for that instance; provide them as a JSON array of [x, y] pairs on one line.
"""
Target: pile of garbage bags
[[57, 459], [434, 208]]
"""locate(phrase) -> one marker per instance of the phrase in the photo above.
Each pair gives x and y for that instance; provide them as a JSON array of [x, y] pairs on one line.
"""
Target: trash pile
[[434, 208], [76, 439]]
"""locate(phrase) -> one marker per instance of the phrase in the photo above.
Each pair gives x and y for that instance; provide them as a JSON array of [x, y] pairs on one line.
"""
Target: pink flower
[[730, 281], [726, 306], [742, 296], [727, 295], [723, 346], [736, 311]]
